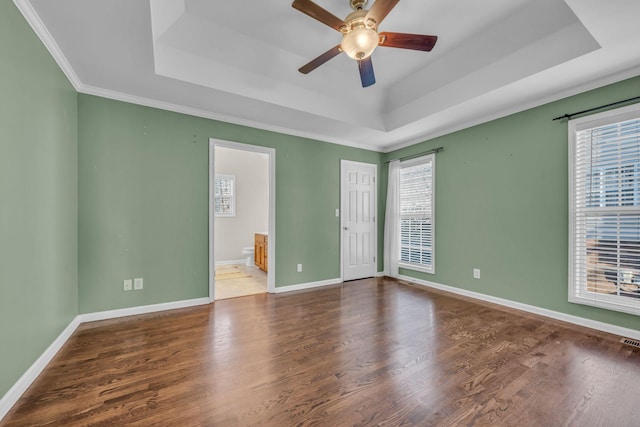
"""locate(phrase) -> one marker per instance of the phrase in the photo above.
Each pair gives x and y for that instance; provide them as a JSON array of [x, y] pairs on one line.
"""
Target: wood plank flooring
[[369, 352]]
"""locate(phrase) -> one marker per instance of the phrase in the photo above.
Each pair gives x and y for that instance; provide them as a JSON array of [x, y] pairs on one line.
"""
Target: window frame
[[232, 197], [430, 269], [578, 292]]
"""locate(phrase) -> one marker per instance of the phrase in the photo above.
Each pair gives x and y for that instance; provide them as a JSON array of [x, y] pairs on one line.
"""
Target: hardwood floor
[[370, 352]]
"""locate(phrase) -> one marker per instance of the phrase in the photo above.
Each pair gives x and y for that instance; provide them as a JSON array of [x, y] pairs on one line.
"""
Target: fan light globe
[[359, 43]]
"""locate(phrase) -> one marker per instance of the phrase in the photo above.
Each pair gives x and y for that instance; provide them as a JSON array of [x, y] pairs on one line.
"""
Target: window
[[605, 210], [416, 214], [224, 199]]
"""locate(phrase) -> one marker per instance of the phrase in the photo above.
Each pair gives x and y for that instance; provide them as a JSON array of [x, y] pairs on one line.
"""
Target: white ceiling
[[237, 61]]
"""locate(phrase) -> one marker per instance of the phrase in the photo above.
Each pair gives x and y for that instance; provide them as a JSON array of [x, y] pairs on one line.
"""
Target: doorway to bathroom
[[241, 219]]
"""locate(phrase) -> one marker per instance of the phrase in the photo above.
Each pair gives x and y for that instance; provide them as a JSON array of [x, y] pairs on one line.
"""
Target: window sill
[[607, 302], [419, 268]]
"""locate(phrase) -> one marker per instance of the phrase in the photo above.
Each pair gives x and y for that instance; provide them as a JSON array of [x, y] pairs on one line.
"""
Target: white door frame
[[271, 153], [375, 214]]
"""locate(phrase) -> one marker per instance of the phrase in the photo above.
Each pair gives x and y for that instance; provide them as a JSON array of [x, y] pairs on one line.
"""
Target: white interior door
[[358, 207]]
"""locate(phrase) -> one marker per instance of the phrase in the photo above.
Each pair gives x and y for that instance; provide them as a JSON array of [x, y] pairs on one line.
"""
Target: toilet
[[250, 251]]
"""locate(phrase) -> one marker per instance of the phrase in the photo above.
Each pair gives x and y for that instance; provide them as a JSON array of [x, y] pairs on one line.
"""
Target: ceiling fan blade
[[316, 12], [366, 72], [334, 51], [381, 9], [408, 41]]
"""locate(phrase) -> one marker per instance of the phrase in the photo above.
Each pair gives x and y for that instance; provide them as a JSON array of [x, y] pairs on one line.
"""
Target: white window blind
[[417, 214], [605, 210], [224, 195]]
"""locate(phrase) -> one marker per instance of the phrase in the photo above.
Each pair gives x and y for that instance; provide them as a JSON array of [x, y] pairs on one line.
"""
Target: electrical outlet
[[476, 273], [128, 284], [337, 213], [138, 284], [299, 268]]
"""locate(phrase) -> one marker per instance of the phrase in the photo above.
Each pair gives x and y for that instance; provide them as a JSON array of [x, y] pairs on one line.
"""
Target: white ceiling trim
[[32, 18], [618, 54], [168, 106], [50, 44], [595, 84], [25, 7], [184, 66]]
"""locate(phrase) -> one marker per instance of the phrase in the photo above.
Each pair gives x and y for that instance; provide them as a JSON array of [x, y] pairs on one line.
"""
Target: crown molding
[[26, 8], [176, 108], [33, 19], [557, 96], [31, 16]]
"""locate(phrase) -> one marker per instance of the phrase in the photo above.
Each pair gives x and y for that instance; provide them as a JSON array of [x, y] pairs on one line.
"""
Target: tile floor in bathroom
[[238, 280]]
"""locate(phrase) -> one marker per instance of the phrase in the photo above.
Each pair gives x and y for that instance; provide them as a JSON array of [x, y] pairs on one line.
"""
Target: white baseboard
[[20, 386], [310, 285], [576, 320], [143, 309], [14, 393], [232, 262]]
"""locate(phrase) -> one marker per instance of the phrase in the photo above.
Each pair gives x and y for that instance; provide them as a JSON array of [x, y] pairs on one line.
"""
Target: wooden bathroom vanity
[[261, 256]]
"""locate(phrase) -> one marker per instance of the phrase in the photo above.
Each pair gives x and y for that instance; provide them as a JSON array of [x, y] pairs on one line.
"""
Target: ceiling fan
[[360, 35]]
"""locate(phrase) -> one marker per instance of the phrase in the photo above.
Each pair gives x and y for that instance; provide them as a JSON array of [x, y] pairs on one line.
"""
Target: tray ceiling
[[238, 61]]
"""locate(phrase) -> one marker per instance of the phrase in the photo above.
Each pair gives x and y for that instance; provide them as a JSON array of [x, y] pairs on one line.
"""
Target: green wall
[[143, 182], [38, 198], [93, 191], [502, 206]]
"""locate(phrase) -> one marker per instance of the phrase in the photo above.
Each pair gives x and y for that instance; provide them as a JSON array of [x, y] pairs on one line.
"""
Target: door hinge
[[374, 259]]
